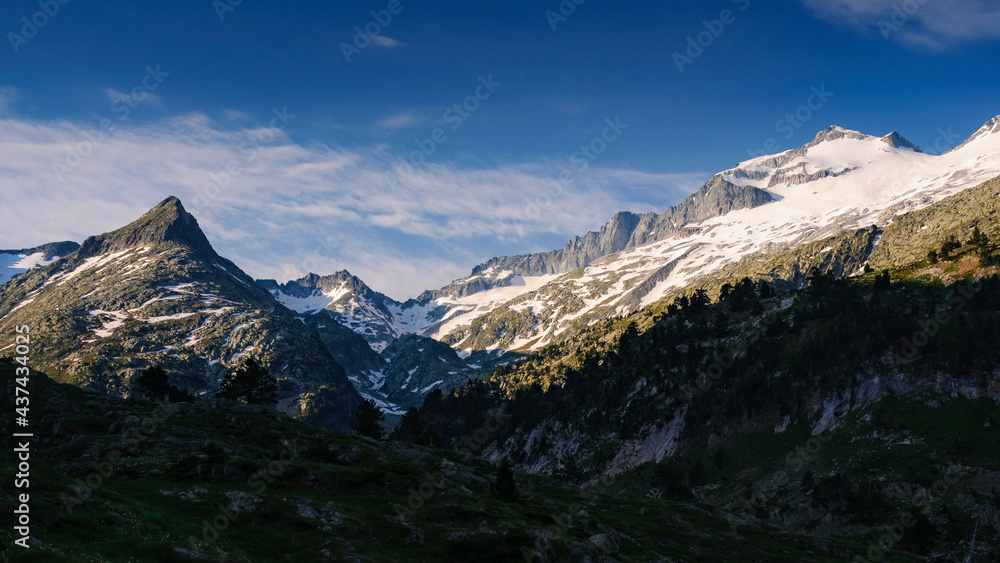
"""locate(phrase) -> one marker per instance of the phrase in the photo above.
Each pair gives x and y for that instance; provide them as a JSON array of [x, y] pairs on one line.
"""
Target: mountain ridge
[[890, 172]]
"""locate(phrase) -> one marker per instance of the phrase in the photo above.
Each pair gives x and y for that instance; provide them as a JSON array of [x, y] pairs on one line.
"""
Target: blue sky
[[108, 109]]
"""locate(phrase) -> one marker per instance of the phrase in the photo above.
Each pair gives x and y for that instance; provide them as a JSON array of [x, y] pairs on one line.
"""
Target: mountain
[[155, 292], [401, 375], [416, 365], [839, 182], [828, 408], [347, 299], [16, 262]]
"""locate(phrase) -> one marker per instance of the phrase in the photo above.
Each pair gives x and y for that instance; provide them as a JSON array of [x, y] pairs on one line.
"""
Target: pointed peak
[[170, 205], [896, 140], [168, 222], [171, 201]]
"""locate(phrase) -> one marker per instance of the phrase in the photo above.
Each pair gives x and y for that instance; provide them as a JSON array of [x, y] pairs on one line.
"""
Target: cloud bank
[[281, 209]]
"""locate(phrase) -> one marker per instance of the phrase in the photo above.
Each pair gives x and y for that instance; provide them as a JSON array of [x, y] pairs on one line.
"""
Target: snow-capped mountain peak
[[840, 181], [347, 299]]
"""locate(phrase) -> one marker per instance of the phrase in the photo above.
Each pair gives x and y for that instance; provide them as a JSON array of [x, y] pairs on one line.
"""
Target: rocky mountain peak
[[168, 222], [836, 132], [312, 282], [896, 140]]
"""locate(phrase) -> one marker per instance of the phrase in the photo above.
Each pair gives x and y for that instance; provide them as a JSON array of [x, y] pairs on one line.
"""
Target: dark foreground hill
[[128, 480]]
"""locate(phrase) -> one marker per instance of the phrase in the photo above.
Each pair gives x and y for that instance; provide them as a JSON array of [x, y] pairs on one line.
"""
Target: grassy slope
[[208, 451]]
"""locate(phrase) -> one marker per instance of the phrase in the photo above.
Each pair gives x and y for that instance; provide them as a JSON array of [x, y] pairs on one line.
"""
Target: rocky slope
[[155, 293], [654, 384], [401, 375], [433, 313], [628, 230]]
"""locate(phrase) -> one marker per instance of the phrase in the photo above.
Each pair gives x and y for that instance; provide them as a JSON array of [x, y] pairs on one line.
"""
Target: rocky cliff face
[[628, 230], [156, 293]]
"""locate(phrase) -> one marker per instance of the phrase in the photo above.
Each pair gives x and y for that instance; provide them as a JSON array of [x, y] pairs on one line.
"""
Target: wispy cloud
[[142, 97], [8, 97], [931, 25], [233, 115], [285, 209], [400, 121], [386, 42]]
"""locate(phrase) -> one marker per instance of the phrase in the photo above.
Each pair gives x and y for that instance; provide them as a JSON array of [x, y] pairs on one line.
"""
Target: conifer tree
[[249, 383]]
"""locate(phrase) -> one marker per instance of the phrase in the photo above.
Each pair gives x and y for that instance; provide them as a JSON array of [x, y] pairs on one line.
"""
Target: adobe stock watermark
[[33, 24], [224, 7], [455, 117], [539, 551], [579, 162], [247, 153], [958, 299], [212, 529], [371, 32], [131, 437], [797, 461], [901, 15], [563, 11], [945, 140], [788, 125], [94, 138], [920, 499], [433, 483], [703, 40]]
